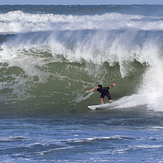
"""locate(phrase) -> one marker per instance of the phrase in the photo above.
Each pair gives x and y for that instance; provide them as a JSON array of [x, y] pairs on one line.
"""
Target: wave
[[41, 67], [49, 61], [20, 22]]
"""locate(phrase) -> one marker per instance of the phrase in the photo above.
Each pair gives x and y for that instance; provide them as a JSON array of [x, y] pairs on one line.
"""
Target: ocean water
[[50, 56]]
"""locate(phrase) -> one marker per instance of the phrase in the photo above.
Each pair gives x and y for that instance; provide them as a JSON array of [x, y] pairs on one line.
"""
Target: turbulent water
[[50, 56]]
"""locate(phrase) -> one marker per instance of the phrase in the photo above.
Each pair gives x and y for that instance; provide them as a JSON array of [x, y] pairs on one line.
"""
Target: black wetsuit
[[104, 92]]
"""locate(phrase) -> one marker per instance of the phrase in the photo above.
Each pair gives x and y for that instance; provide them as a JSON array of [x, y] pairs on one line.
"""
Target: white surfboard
[[101, 106]]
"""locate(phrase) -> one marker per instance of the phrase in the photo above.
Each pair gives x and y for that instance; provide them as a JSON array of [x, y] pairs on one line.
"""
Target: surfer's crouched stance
[[104, 92]]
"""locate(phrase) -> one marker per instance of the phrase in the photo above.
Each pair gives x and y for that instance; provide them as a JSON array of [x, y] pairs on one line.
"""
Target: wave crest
[[18, 22]]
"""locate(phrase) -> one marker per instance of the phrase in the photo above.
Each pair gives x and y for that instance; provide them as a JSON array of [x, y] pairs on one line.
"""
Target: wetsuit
[[104, 92]]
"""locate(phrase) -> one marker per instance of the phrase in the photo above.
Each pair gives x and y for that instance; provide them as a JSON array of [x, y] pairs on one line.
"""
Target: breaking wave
[[49, 60]]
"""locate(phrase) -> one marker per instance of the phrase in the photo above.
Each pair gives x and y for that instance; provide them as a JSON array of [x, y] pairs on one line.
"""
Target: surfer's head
[[99, 86]]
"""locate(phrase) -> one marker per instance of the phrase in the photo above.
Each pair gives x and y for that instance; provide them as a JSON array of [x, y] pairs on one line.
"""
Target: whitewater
[[50, 56]]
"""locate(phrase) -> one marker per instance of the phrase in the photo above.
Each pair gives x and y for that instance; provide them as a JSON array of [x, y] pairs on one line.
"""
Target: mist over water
[[50, 59]]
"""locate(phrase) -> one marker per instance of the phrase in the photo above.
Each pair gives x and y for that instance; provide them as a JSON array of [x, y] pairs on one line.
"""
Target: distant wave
[[20, 22]]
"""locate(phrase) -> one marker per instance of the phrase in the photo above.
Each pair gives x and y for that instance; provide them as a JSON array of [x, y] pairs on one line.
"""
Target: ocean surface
[[50, 56]]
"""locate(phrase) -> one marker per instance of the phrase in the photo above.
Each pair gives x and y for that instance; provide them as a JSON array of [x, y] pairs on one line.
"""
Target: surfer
[[104, 92]]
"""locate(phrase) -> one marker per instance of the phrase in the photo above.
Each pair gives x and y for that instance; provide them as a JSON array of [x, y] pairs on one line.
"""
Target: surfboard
[[101, 106]]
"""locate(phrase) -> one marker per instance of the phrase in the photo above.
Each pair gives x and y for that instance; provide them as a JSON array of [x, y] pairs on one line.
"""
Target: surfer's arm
[[94, 89], [112, 85]]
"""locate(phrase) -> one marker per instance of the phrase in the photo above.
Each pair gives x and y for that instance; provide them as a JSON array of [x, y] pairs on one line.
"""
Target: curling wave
[[49, 61]]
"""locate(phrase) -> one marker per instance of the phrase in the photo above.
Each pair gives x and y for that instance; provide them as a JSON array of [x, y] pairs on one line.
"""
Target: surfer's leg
[[109, 97], [102, 100]]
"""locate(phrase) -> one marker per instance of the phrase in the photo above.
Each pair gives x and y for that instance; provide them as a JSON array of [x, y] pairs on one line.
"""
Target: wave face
[[50, 55]]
